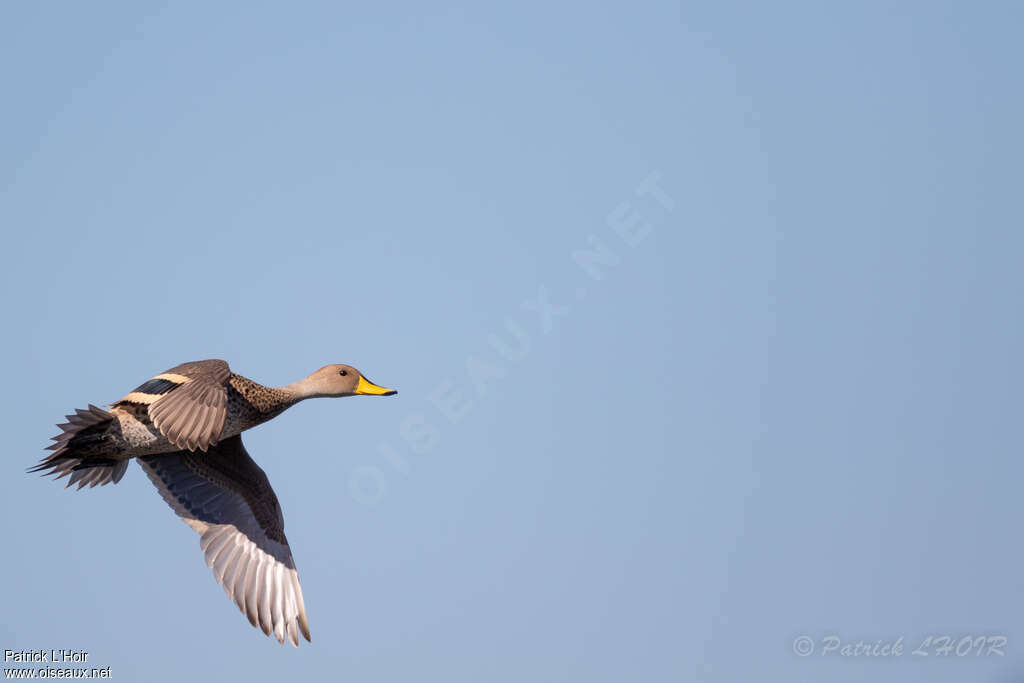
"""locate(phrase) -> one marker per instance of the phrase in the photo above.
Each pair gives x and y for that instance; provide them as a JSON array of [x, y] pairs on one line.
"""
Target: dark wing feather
[[227, 499], [188, 403]]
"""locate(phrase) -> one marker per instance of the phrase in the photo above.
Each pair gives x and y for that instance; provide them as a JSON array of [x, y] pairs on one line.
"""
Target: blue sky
[[781, 402]]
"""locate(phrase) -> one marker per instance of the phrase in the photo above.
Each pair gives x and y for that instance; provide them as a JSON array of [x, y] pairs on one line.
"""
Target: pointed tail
[[83, 429]]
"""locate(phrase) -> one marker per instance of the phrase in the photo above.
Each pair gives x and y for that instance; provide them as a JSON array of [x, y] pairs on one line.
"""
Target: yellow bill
[[367, 387]]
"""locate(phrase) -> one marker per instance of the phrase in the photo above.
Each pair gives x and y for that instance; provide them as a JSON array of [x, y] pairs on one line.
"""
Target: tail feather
[[83, 428]]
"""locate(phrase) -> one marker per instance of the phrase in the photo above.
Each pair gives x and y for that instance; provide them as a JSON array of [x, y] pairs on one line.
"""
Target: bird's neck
[[266, 402], [313, 386]]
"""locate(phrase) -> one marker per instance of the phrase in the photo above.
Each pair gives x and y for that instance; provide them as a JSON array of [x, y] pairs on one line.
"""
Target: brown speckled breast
[[251, 404]]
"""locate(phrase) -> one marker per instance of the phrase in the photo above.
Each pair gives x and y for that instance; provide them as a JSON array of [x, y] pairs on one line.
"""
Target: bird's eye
[[342, 372]]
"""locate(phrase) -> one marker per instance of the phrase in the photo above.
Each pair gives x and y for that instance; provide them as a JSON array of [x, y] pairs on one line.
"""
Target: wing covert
[[188, 403]]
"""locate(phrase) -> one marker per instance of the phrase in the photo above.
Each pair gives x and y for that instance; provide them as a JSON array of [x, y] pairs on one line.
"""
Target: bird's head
[[341, 380]]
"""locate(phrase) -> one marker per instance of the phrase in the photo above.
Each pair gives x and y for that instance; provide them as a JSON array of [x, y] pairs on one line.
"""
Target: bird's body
[[184, 427], [132, 433]]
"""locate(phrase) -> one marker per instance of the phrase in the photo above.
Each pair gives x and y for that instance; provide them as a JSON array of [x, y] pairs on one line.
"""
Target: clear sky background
[[787, 402]]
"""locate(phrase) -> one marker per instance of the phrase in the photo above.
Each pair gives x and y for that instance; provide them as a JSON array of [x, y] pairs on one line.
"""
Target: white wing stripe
[[263, 585], [214, 541], [277, 590]]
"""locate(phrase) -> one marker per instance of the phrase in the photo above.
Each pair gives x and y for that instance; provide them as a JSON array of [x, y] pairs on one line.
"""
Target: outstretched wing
[[227, 499], [188, 403]]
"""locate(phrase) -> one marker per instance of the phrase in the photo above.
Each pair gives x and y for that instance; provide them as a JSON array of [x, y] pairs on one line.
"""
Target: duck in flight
[[184, 426]]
